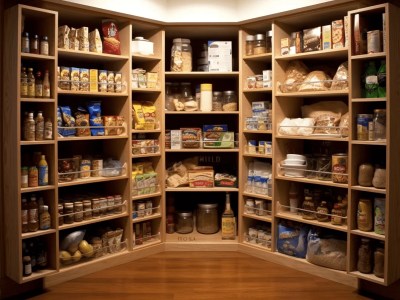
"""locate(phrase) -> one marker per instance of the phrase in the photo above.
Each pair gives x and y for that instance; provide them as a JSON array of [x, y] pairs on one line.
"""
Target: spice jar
[[250, 41], [308, 207], [78, 211], [96, 207], [379, 260], [379, 180], [365, 174], [184, 222], [364, 215], [60, 214], [364, 262], [68, 213], [118, 204], [379, 124], [207, 218], [322, 212], [217, 101], [259, 44], [87, 209], [337, 215], [229, 101], [181, 55]]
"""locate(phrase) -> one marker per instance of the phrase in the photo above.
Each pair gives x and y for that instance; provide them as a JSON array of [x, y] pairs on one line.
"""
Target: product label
[[24, 216], [43, 175], [24, 180], [228, 227], [33, 215]]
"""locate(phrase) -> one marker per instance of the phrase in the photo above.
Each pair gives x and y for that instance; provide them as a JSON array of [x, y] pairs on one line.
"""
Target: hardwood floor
[[199, 275]]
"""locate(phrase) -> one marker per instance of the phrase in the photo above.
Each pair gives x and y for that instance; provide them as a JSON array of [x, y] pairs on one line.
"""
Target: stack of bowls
[[294, 165]]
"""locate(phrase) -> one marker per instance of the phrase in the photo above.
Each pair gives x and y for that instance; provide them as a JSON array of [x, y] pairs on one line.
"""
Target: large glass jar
[[181, 55], [207, 218], [169, 103], [379, 260], [259, 45], [217, 101], [364, 215], [229, 101], [184, 222], [250, 45], [379, 124], [364, 262], [324, 168]]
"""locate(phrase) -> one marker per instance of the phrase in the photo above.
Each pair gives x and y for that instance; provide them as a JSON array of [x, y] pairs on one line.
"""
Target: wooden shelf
[[327, 54], [258, 57], [257, 246], [37, 189], [198, 238], [258, 131], [32, 56], [146, 155], [37, 275], [368, 277], [260, 218], [38, 100], [368, 56], [147, 218], [29, 235], [259, 196], [146, 196], [201, 112], [202, 150], [313, 138], [91, 180], [146, 90], [93, 220], [192, 75], [91, 94], [32, 143], [371, 143], [298, 218], [313, 94], [369, 189], [257, 155], [366, 100], [91, 138], [368, 234], [146, 131], [90, 56], [259, 90], [213, 189], [146, 244], [313, 181], [144, 58]]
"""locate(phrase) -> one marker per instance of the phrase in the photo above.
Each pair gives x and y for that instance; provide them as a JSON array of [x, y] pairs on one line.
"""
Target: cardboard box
[[142, 46], [346, 31], [284, 46], [176, 139], [201, 177], [327, 37], [338, 36], [93, 75], [152, 80], [218, 139], [220, 56], [312, 39], [359, 33]]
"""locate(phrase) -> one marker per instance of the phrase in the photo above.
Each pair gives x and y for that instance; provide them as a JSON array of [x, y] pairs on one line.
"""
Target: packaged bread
[[111, 42], [295, 73], [344, 125], [95, 44], [316, 81], [73, 39], [63, 39], [340, 80], [83, 37]]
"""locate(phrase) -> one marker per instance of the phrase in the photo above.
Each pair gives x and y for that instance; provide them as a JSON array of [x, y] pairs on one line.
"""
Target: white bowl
[[294, 170], [295, 156], [294, 162]]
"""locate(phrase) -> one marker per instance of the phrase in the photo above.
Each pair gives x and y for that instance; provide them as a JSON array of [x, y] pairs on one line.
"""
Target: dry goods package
[[340, 79], [95, 44], [138, 116], [83, 37], [298, 126], [63, 39], [67, 121], [295, 73], [191, 137], [82, 120], [201, 177], [75, 79], [344, 125], [95, 120], [150, 117], [111, 43], [316, 81], [225, 180], [292, 239], [337, 34], [312, 39], [65, 78], [73, 39], [84, 79], [326, 37]]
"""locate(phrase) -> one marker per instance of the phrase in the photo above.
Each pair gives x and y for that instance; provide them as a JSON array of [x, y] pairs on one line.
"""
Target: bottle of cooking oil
[[228, 221]]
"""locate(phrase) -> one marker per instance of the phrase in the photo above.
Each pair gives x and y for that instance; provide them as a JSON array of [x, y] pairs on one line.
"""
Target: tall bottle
[[38, 85], [48, 130], [24, 215], [31, 83], [43, 172], [46, 85], [24, 83], [228, 221], [29, 128], [39, 127], [33, 214], [45, 219]]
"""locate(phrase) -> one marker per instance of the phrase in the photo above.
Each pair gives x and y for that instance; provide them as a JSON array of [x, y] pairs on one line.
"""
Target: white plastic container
[[142, 46]]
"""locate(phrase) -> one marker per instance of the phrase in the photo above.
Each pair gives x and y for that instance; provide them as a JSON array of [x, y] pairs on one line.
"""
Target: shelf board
[[368, 56], [91, 138], [92, 94], [145, 196], [368, 234], [93, 220], [146, 155], [322, 54], [38, 274], [91, 180], [368, 277], [37, 189], [38, 100], [259, 57], [146, 218], [257, 155], [146, 131], [32, 56], [258, 90], [260, 218], [313, 94], [90, 56], [31, 143], [258, 131], [213, 189], [257, 246], [259, 196], [298, 218], [372, 143], [197, 112], [203, 150], [366, 100], [369, 189], [144, 58], [196, 238], [29, 235], [187, 75], [313, 181], [146, 244], [145, 90], [311, 137]]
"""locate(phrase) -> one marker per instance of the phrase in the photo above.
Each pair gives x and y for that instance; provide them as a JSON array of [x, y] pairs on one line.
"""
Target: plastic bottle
[[48, 130], [39, 127], [31, 83], [46, 85], [38, 85], [45, 221], [43, 172], [24, 215], [33, 214], [24, 83], [29, 128]]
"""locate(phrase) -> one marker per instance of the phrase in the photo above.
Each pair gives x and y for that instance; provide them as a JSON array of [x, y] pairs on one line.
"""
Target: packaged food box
[[151, 80], [75, 81], [218, 139], [225, 180], [93, 75], [338, 36], [220, 56], [201, 177], [142, 46], [359, 33], [327, 37], [176, 139], [84, 79], [219, 127], [191, 137], [260, 106], [346, 31], [284, 46], [312, 39]]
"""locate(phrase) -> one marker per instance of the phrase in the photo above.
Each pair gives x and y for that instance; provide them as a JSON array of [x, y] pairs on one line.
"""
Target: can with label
[[362, 126], [339, 168]]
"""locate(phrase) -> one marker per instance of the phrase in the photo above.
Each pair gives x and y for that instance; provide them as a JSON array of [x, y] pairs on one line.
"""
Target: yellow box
[[326, 37], [93, 75], [152, 80]]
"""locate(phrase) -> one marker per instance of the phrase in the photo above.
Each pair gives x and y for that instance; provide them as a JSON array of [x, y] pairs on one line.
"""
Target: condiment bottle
[[250, 44], [29, 128], [48, 130], [31, 83], [33, 214], [34, 44], [25, 48], [43, 171], [39, 127], [364, 215], [206, 97], [24, 215], [33, 177], [322, 212], [336, 218], [364, 262], [308, 208], [45, 220], [27, 265], [46, 85], [24, 177], [24, 83], [44, 45], [379, 261], [68, 213], [228, 223], [38, 85]]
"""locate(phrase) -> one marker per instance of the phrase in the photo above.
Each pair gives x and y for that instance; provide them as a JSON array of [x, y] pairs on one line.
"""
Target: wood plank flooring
[[199, 276]]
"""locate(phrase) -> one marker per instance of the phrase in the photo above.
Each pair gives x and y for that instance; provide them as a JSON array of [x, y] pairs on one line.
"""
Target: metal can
[[374, 38], [362, 126], [339, 167]]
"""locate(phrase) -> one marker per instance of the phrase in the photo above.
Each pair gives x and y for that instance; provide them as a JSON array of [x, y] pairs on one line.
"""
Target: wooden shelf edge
[[92, 221], [213, 189], [90, 180], [368, 234], [265, 197], [368, 277], [327, 53], [29, 235], [37, 275], [134, 198], [91, 138], [368, 189], [260, 218], [298, 218], [147, 218], [312, 181], [77, 53], [37, 189]]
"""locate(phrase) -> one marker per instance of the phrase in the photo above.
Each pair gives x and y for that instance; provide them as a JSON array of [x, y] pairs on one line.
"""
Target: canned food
[[362, 126], [339, 167]]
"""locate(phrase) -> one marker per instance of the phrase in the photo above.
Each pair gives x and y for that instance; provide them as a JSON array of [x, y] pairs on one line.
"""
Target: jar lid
[[380, 110], [206, 87], [229, 93], [364, 116], [260, 36], [217, 93], [269, 33], [250, 38], [44, 38], [181, 40], [207, 205], [184, 213]]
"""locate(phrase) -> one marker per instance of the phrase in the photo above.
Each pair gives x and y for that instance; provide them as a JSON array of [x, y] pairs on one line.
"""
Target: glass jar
[[365, 174], [169, 98], [337, 215], [181, 55], [25, 44], [259, 44], [268, 42], [364, 262], [207, 218], [184, 222], [379, 260], [292, 43], [44, 45], [68, 213], [379, 124], [324, 168], [217, 101], [186, 90], [322, 212], [379, 179], [34, 44], [229, 101], [309, 209], [364, 215], [78, 211], [250, 45]]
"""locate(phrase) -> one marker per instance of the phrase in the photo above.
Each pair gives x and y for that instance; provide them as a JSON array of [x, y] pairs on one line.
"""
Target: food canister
[[207, 218], [339, 167], [362, 126], [184, 222], [379, 215]]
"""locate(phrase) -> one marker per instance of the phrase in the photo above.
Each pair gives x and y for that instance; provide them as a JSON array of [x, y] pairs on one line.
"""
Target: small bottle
[[48, 130], [43, 172], [379, 124], [46, 85], [25, 42], [308, 208], [250, 45], [34, 44], [24, 215], [45, 219], [29, 128], [39, 127], [33, 177], [24, 177], [33, 214], [24, 83], [38, 85], [31, 83], [44, 45], [228, 223], [27, 266]]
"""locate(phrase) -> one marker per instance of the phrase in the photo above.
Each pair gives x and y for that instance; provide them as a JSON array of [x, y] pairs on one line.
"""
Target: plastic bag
[[340, 79], [111, 43], [295, 73], [112, 168], [68, 121], [292, 239], [298, 126], [316, 81], [95, 120]]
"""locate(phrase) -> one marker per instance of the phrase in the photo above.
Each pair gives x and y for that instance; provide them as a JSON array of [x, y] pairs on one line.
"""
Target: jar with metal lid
[[322, 212], [78, 211], [229, 101], [292, 44], [250, 44], [68, 213], [365, 174], [184, 222], [259, 44], [207, 218], [217, 101], [110, 205], [379, 260], [268, 42], [337, 215], [379, 124], [118, 204], [181, 55], [308, 209], [87, 209], [324, 168]]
